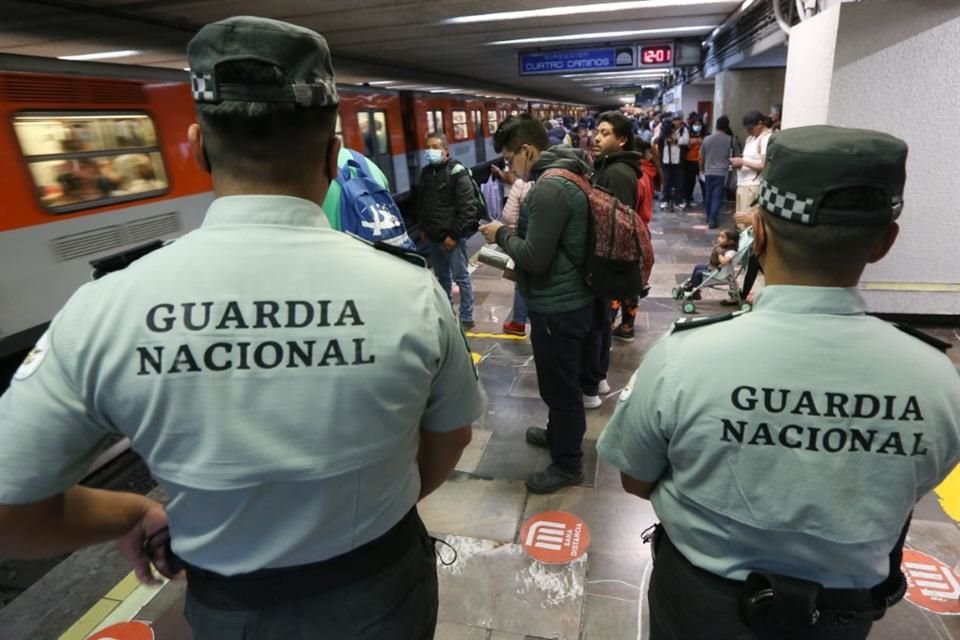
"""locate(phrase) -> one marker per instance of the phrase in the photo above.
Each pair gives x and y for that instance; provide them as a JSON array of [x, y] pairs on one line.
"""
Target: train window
[[435, 121], [366, 133], [380, 127], [492, 121], [79, 160], [460, 129]]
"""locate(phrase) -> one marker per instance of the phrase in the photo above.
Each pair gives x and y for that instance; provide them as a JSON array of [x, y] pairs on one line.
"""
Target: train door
[[376, 139], [478, 136]]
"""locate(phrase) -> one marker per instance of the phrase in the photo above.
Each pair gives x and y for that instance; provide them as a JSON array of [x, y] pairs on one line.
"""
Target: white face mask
[[433, 156]]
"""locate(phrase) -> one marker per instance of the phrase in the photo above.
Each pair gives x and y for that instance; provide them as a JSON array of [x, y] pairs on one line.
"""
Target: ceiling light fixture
[[103, 55], [572, 10], [604, 35], [380, 82]]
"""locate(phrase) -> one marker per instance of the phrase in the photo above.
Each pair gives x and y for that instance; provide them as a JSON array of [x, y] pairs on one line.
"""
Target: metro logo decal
[[555, 537], [931, 584]]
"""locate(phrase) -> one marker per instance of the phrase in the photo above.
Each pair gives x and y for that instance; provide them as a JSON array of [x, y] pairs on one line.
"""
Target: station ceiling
[[429, 45]]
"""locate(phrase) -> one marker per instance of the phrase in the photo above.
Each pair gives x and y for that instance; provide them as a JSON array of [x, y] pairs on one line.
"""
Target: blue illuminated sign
[[534, 63]]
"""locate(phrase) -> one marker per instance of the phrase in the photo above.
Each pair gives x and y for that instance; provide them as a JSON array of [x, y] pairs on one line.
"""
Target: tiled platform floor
[[495, 591]]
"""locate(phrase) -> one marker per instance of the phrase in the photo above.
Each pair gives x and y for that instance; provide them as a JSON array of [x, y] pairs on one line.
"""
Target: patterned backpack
[[619, 252]]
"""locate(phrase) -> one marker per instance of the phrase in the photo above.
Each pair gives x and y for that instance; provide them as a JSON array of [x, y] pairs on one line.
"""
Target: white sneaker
[[603, 388], [681, 206], [663, 205], [591, 402]]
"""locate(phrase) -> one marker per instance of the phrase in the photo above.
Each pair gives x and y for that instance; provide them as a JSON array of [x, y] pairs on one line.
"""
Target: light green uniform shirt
[[331, 204], [273, 373], [794, 439]]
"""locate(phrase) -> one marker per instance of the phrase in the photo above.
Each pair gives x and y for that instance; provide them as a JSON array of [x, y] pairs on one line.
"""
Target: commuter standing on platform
[[715, 155], [448, 215], [253, 368], [549, 249], [784, 491]]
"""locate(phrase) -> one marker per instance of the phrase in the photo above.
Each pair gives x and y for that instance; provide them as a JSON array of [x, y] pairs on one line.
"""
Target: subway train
[[94, 166]]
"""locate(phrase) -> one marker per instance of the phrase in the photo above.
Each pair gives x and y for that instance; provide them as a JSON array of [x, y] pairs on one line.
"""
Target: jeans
[[688, 603], [714, 197], [672, 184], [566, 349], [398, 603], [699, 272], [520, 313], [444, 262]]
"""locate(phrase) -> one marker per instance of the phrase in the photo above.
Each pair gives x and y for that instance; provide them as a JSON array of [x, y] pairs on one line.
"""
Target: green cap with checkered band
[[301, 54], [807, 164]]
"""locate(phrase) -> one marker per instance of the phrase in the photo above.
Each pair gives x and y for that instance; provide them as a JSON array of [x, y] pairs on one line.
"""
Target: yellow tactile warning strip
[[949, 494], [120, 604]]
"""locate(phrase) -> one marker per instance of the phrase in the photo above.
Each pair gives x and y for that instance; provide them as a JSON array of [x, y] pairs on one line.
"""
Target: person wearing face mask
[[447, 213], [691, 163], [549, 249]]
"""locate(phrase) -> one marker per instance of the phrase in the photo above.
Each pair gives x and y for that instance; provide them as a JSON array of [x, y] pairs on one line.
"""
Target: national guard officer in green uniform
[[293, 422], [784, 449]]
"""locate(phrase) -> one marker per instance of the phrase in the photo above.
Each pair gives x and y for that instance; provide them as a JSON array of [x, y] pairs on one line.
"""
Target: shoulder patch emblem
[[684, 324], [34, 359]]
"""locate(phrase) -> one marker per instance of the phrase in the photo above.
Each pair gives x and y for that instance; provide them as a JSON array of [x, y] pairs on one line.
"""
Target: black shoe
[[553, 478], [537, 436], [713, 225]]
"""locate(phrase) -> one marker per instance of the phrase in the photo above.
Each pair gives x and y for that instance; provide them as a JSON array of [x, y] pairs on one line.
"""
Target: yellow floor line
[[949, 494], [124, 601], [497, 336]]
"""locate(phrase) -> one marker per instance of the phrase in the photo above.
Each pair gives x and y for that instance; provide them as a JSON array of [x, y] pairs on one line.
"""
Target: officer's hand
[[489, 231], [508, 177], [449, 243], [131, 545]]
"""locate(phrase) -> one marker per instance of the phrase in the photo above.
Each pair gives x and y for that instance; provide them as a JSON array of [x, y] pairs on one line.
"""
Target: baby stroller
[[724, 277]]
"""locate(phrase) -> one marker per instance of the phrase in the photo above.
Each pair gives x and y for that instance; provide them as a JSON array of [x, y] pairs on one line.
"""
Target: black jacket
[[618, 173], [446, 203]]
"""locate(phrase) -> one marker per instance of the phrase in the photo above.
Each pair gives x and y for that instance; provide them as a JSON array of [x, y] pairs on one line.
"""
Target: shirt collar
[[820, 300], [265, 209]]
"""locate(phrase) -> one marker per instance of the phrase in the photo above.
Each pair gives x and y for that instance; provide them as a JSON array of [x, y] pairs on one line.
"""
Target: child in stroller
[[720, 270]]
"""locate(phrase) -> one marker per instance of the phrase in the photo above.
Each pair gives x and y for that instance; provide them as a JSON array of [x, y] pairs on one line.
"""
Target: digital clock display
[[656, 54]]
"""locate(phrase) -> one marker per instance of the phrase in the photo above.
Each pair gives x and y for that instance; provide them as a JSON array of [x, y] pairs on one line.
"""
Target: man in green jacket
[[549, 248]]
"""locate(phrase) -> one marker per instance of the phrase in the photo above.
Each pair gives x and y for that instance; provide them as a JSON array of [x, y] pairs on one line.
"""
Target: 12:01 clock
[[656, 54]]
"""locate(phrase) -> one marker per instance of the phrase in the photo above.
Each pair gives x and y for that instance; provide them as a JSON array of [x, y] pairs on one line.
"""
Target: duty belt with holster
[[261, 588], [771, 603]]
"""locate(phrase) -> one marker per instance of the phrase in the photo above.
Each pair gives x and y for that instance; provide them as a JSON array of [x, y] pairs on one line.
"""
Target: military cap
[[301, 54], [806, 164]]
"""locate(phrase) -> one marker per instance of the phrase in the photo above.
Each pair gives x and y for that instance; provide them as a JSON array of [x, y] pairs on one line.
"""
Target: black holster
[[771, 602]]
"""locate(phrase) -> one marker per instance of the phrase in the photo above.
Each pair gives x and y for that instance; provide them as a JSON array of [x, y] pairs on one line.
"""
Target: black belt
[[771, 602], [261, 588]]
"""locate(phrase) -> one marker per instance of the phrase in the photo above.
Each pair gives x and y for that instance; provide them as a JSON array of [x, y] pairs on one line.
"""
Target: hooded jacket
[[549, 245], [618, 173], [647, 186]]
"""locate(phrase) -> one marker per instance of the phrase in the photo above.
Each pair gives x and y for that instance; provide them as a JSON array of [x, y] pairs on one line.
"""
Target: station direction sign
[[583, 60]]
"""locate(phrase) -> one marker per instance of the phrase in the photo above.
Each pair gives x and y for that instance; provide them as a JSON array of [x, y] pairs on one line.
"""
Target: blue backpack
[[367, 209]]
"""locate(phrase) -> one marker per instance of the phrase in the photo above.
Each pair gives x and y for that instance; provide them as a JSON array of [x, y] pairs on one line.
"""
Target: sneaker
[[681, 206], [712, 225], [696, 295], [622, 334], [537, 436], [591, 402], [515, 328], [604, 387], [467, 324], [730, 302], [553, 478], [663, 205]]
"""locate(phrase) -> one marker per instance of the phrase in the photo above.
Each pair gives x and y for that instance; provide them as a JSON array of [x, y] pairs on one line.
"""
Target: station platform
[[495, 590]]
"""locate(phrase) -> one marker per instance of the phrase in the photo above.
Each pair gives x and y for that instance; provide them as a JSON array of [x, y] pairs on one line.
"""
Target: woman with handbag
[[715, 154]]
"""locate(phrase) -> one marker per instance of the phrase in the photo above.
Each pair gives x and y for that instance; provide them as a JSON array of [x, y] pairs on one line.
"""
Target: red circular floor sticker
[[125, 631], [931, 584], [555, 537]]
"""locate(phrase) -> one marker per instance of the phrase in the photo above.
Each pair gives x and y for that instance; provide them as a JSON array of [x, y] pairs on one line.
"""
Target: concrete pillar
[[892, 65], [737, 91], [691, 94]]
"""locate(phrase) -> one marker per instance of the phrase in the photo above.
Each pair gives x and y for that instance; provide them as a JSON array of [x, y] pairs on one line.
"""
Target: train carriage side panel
[[94, 167]]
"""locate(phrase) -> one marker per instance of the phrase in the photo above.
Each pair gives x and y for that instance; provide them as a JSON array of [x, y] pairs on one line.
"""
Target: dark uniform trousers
[[398, 602], [688, 603], [566, 352]]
